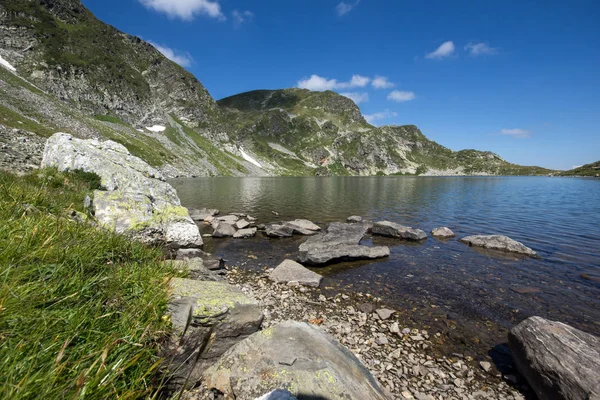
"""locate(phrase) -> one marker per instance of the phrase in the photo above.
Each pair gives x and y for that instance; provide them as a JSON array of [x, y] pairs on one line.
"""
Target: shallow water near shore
[[436, 280]]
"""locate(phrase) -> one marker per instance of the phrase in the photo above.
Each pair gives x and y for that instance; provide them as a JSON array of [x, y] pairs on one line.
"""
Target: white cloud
[[183, 59], [239, 17], [186, 9], [344, 8], [382, 82], [446, 49], [357, 97], [371, 118], [478, 49], [401, 96], [318, 83], [516, 132]]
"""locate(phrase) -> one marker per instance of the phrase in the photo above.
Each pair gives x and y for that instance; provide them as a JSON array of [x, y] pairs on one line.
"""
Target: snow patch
[[7, 65], [247, 157], [156, 128], [140, 130]]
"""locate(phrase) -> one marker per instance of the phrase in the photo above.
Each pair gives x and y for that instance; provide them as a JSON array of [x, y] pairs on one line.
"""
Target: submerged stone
[[499, 242]]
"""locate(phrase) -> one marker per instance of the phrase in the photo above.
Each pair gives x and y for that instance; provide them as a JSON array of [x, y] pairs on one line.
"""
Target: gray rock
[[323, 368], [279, 230], [245, 233], [228, 219], [303, 225], [196, 307], [443, 232], [341, 242], [137, 201], [291, 271], [209, 261], [223, 229], [202, 214], [354, 219], [486, 366], [558, 361], [392, 229], [384, 313], [196, 268], [242, 224], [498, 242]]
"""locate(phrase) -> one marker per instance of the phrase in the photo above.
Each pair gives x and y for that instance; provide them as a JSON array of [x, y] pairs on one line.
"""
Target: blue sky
[[517, 77]]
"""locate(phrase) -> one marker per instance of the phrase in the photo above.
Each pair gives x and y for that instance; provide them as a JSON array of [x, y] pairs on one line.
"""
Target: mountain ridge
[[76, 74]]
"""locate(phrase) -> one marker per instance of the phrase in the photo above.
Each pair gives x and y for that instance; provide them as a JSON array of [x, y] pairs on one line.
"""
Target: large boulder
[[559, 361], [291, 271], [223, 229], [294, 356], [136, 201], [341, 242], [498, 242], [392, 229], [207, 317]]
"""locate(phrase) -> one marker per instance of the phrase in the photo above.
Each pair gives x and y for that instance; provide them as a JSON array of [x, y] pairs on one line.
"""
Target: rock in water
[[245, 233], [391, 229], [443, 233], [296, 356], [303, 225], [202, 214], [559, 361], [279, 230], [291, 271], [223, 229], [499, 242], [195, 307], [137, 200], [354, 219], [341, 242]]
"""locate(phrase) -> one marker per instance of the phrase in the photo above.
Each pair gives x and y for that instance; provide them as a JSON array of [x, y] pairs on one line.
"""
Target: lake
[[557, 217]]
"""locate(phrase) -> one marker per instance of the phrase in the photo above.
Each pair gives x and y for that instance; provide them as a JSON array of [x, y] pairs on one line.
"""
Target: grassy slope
[[592, 169], [80, 309]]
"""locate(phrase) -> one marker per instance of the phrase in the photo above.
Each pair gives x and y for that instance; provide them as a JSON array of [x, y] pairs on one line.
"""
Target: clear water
[[558, 217]]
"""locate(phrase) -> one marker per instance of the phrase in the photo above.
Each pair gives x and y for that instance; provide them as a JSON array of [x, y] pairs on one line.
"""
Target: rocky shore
[[239, 334]]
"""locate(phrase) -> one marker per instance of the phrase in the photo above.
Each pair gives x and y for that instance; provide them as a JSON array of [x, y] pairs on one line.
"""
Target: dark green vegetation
[[80, 309], [592, 169]]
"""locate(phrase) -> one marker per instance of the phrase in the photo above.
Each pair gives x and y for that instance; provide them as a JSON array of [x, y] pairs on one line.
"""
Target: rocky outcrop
[[136, 201], [341, 242], [208, 317], [294, 356], [391, 229], [499, 242], [291, 271], [443, 233], [558, 361]]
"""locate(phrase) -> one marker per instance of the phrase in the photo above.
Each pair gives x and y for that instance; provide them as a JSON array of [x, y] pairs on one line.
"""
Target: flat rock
[[392, 229], [196, 307], [341, 242], [279, 230], [203, 213], [323, 369], [242, 224], [354, 219], [498, 242], [209, 261], [443, 233], [223, 229], [291, 271], [558, 361], [228, 219], [303, 225], [245, 233], [137, 200], [196, 269]]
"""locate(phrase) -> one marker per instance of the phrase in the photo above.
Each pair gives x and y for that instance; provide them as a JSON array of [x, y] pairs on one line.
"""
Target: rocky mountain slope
[[324, 133], [592, 169], [64, 70]]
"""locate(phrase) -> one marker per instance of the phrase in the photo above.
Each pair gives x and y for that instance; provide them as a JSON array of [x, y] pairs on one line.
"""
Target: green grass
[[14, 119], [81, 309], [109, 118]]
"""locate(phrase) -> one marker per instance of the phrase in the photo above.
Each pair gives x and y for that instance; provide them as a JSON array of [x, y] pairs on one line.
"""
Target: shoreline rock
[[135, 201], [392, 229], [340, 242], [443, 233], [499, 242], [558, 361], [291, 271]]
